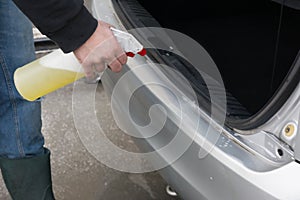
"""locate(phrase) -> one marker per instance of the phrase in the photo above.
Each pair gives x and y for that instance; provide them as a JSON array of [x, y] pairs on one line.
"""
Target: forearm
[[67, 22]]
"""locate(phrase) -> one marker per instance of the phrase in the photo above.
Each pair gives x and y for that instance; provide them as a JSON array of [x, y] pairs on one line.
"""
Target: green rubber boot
[[28, 178]]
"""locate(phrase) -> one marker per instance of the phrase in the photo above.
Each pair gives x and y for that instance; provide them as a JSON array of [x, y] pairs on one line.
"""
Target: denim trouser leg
[[20, 120]]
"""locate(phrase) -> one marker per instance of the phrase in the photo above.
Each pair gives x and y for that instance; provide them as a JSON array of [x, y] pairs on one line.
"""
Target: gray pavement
[[76, 174]]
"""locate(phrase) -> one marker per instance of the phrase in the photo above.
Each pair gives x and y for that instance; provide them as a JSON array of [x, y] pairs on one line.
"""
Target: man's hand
[[99, 50]]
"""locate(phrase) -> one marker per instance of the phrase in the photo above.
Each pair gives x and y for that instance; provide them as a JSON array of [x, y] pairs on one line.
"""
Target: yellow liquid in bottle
[[35, 80]]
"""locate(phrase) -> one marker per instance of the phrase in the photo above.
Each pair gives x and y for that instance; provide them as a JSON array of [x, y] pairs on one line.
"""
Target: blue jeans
[[20, 120]]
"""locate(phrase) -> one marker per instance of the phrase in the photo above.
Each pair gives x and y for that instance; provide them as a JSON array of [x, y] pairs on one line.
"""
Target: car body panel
[[227, 172]]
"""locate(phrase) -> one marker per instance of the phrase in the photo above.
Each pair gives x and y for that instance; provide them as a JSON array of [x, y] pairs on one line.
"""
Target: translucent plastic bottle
[[57, 69], [47, 74]]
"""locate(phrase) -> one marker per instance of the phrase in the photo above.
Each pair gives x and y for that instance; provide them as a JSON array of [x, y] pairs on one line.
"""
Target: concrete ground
[[76, 174]]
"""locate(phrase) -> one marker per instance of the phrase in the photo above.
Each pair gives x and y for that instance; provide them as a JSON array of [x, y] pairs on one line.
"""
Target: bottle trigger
[[130, 54]]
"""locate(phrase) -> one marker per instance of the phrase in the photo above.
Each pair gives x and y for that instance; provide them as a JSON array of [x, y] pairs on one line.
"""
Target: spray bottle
[[57, 69]]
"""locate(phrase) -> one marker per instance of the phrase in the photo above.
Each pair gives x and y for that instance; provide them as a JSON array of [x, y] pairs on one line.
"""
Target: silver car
[[237, 138]]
